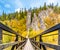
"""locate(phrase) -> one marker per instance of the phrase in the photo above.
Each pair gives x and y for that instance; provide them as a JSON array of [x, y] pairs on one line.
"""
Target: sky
[[10, 6]]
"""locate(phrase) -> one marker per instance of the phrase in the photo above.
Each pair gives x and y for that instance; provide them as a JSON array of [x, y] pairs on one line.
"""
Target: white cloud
[[7, 5], [52, 1], [35, 3], [18, 9], [18, 5]]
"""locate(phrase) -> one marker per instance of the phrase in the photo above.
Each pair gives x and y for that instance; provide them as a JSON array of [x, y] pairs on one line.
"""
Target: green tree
[[45, 6], [3, 16]]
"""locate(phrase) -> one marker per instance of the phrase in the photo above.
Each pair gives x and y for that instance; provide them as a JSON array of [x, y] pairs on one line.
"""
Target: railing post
[[1, 48], [44, 48], [16, 40], [21, 40], [16, 44], [35, 40], [40, 41], [58, 39]]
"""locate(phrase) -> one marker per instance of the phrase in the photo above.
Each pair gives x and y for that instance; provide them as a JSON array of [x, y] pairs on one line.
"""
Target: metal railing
[[44, 45], [17, 44]]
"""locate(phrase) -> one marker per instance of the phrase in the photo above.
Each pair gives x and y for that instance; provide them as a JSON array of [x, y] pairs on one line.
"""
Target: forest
[[50, 16]]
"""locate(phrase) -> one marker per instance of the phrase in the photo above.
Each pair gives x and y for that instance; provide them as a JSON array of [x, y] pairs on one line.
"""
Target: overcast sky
[[14, 5]]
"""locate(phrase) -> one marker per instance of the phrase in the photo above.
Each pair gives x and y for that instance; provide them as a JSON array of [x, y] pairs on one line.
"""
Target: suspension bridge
[[29, 43]]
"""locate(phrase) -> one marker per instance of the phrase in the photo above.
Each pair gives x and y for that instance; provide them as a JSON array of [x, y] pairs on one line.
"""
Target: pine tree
[[45, 6], [3, 17], [25, 12]]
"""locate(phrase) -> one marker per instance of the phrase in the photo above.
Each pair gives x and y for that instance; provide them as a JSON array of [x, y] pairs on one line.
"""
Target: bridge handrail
[[13, 44], [54, 28], [10, 44], [48, 45], [35, 46], [6, 28], [21, 46]]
